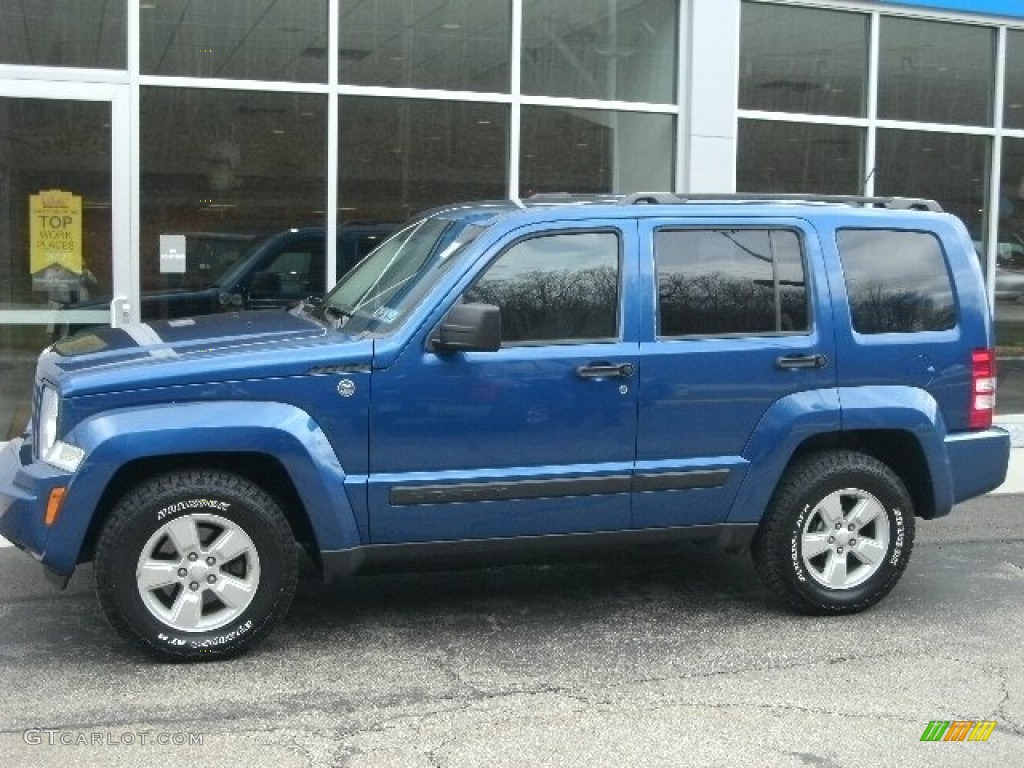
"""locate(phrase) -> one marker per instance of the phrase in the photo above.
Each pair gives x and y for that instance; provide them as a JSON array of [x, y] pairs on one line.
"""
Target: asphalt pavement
[[675, 660]]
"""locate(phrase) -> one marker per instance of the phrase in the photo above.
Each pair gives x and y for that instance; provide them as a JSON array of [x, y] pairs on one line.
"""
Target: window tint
[[555, 288], [897, 281], [292, 274], [730, 281]]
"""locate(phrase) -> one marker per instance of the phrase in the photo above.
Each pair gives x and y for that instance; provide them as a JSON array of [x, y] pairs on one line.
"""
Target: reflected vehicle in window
[[1009, 284], [1009, 270], [276, 270]]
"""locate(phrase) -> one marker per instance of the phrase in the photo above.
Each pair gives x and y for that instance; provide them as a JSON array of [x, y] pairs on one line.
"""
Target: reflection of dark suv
[[803, 379], [232, 272]]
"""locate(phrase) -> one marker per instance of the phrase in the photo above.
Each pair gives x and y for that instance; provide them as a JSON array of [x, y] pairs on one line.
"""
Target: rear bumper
[[25, 486], [977, 461]]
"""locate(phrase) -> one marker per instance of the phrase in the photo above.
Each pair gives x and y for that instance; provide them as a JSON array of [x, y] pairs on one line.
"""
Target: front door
[[535, 438], [63, 216]]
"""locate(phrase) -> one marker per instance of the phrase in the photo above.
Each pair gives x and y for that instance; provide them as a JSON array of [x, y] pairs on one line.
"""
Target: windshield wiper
[[338, 314]]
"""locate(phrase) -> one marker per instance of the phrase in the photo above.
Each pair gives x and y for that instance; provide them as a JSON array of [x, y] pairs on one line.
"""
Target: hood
[[197, 349]]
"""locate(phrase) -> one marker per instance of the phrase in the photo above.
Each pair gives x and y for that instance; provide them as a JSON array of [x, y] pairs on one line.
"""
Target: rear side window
[[714, 282], [896, 280]]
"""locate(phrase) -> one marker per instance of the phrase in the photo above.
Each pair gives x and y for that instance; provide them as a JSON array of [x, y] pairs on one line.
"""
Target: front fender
[[113, 439]]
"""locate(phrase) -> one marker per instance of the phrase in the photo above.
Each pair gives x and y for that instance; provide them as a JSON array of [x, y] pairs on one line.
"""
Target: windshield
[[385, 286]]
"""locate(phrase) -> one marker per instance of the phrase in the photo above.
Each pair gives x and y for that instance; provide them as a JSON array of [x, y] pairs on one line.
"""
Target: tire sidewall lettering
[[899, 531], [795, 554], [191, 505]]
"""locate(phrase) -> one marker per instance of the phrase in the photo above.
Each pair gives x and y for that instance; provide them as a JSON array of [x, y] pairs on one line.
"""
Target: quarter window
[[897, 281], [715, 282], [556, 288]]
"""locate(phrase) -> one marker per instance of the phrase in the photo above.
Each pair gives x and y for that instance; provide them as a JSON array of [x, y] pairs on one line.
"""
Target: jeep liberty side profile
[[801, 377]]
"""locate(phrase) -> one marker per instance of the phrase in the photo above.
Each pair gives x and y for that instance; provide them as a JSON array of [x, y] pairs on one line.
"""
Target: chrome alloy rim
[[198, 573], [845, 538]]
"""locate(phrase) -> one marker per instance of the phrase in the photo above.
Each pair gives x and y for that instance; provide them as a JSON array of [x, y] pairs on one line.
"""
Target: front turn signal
[[53, 505]]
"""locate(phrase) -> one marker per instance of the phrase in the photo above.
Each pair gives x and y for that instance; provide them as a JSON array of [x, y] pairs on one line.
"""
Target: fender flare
[[794, 419], [113, 439]]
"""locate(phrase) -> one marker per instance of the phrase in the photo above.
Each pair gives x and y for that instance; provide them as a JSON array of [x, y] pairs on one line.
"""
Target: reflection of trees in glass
[[717, 303], [553, 304], [877, 308]]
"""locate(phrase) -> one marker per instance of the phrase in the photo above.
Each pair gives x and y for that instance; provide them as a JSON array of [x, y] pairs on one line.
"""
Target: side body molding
[[115, 438]]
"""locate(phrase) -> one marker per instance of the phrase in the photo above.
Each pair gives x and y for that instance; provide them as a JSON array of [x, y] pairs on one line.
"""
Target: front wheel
[[195, 565], [837, 535]]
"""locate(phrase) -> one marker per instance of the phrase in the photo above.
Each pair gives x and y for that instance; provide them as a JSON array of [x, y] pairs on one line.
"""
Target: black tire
[[806, 550], [225, 551]]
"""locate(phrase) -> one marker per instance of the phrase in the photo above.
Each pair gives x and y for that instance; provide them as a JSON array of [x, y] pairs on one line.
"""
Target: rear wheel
[[837, 535], [195, 565]]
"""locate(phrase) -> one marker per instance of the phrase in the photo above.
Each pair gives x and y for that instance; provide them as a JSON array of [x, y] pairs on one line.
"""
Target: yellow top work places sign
[[55, 232]]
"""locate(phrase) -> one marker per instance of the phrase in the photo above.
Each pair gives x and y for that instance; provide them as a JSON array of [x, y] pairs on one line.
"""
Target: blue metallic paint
[[251, 382]]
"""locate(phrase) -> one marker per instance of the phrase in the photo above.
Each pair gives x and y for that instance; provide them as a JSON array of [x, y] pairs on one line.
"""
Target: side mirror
[[469, 328]]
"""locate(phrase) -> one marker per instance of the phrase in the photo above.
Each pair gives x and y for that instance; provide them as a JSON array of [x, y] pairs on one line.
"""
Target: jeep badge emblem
[[346, 388]]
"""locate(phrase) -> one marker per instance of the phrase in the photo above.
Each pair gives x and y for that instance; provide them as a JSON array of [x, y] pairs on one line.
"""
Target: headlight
[[51, 450], [46, 421]]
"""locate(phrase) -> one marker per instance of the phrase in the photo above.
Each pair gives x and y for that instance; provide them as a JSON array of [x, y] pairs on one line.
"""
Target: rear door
[[739, 323]]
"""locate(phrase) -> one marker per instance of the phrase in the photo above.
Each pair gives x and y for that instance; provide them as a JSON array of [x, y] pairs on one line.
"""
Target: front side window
[[897, 281], [716, 282], [555, 288]]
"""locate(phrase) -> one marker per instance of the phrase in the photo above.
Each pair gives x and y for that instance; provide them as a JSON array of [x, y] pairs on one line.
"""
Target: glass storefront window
[[803, 60], [1013, 110], [799, 157], [63, 33], [1009, 308], [948, 167], [253, 40], [221, 170], [590, 150], [455, 45], [401, 156], [936, 72], [622, 50], [55, 233]]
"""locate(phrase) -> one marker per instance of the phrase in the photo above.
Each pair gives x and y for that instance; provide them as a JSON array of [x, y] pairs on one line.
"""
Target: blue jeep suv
[[802, 378]]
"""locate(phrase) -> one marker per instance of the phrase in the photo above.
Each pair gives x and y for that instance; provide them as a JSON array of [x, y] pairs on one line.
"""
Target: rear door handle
[[801, 361], [605, 371]]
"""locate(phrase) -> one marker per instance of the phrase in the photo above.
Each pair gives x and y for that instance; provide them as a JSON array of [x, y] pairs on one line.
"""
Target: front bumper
[[25, 487]]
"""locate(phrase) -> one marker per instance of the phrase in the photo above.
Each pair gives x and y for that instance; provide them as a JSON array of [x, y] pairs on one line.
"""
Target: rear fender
[[803, 416]]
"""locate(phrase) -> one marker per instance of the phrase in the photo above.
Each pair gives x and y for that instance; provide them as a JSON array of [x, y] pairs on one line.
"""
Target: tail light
[[983, 388]]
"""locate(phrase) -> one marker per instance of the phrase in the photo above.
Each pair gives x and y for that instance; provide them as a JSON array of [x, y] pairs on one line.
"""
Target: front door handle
[[802, 361], [605, 371]]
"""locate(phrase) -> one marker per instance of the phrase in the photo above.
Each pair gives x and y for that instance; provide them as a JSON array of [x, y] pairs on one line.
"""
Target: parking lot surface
[[674, 660]]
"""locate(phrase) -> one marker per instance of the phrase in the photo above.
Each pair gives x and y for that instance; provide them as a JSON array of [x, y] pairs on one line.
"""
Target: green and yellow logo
[[958, 730]]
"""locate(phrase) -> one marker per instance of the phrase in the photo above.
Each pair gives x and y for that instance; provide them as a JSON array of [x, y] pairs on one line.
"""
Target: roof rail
[[571, 198], [893, 203]]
